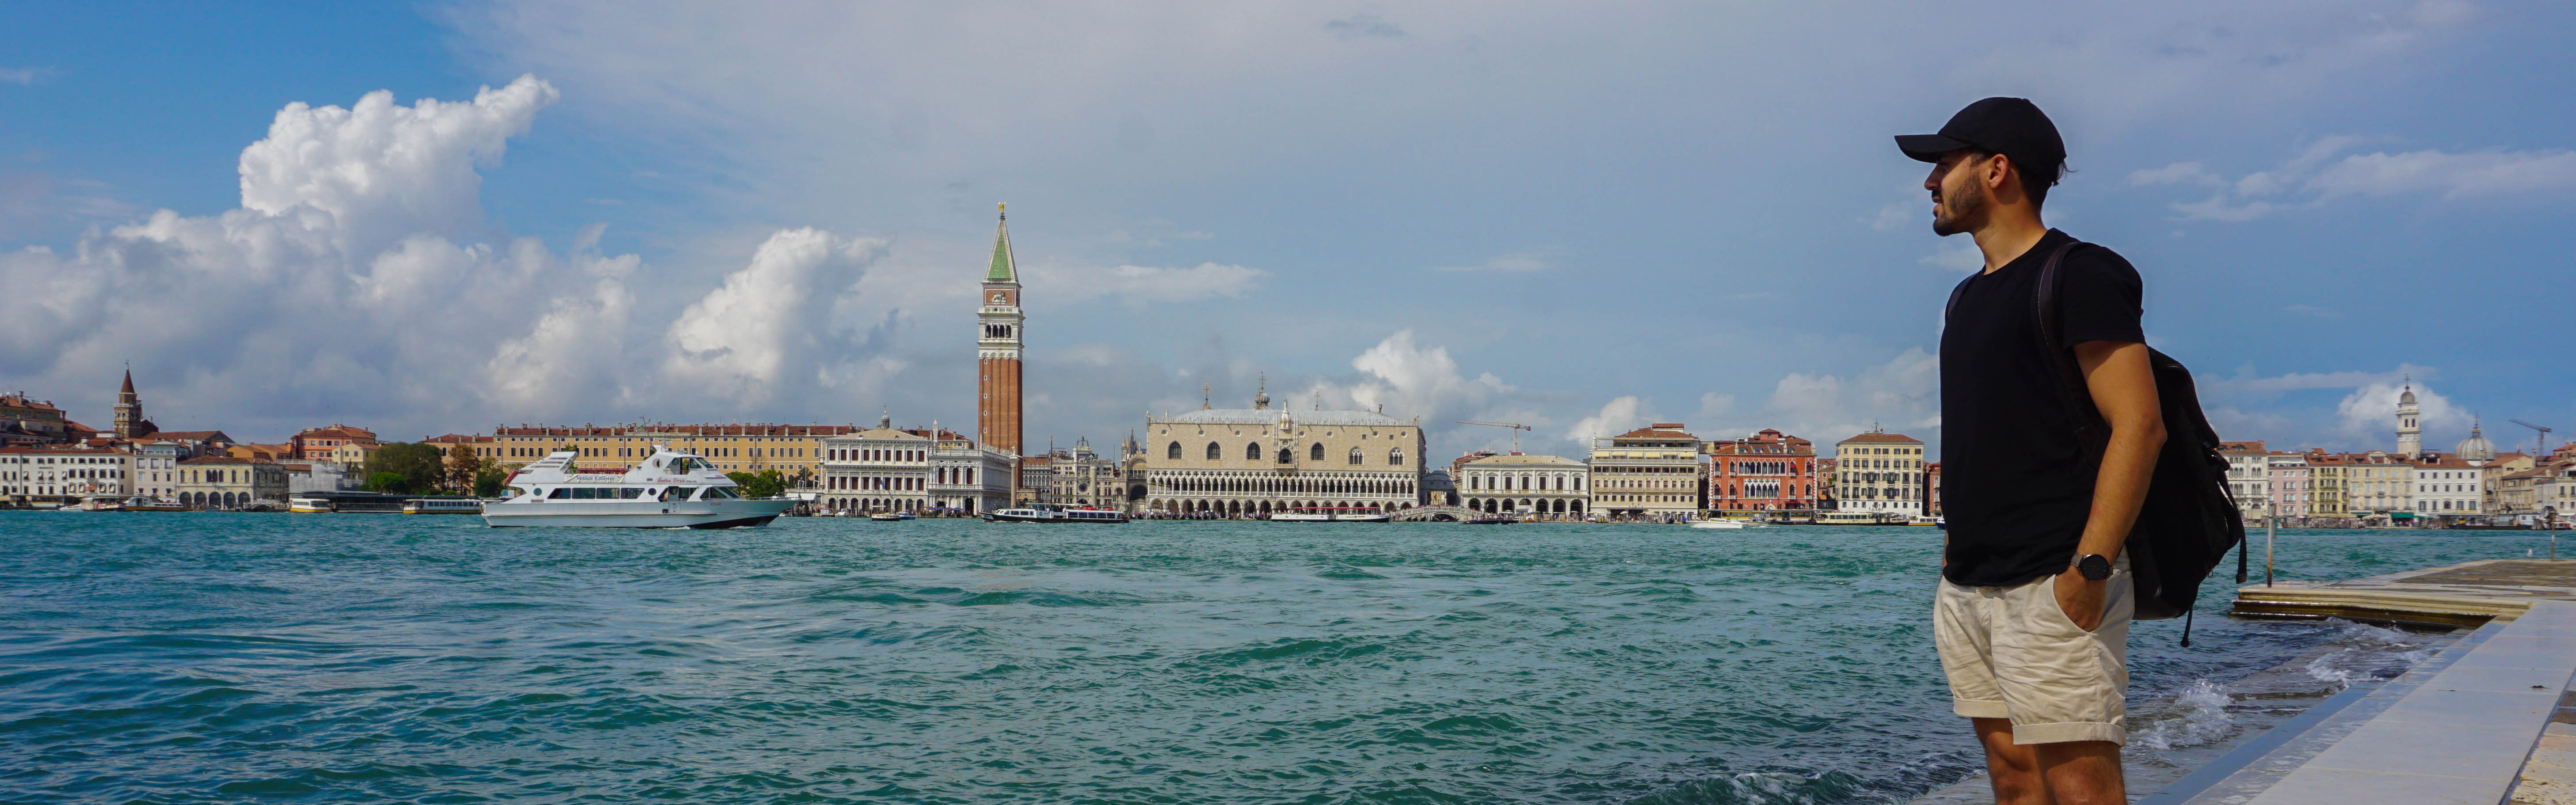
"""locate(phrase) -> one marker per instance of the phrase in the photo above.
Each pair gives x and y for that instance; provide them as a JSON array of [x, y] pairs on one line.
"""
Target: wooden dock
[[2465, 594]]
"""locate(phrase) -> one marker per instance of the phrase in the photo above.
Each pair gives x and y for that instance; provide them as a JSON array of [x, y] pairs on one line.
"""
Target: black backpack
[[2189, 519]]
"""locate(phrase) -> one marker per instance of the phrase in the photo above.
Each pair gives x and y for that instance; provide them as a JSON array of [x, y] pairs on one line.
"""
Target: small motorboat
[[886, 517], [1043, 513], [1492, 521], [1721, 524]]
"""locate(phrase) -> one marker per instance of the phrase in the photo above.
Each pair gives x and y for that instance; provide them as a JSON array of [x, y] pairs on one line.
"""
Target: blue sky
[[1584, 218]]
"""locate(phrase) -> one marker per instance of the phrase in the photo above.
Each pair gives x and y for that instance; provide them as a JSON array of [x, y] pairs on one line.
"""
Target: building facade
[[877, 470], [320, 444], [2248, 478], [2285, 477], [998, 348], [1249, 462], [2410, 433], [1551, 486], [2448, 487], [1653, 471], [2326, 478], [795, 451], [968, 478], [66, 473], [1880, 472], [1079, 476], [226, 482], [2379, 485], [1767, 471]]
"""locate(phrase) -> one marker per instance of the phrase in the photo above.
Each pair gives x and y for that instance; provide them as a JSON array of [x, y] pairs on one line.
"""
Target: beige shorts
[[2011, 652]]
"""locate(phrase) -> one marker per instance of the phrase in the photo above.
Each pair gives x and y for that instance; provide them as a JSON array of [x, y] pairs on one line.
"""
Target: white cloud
[[2317, 176], [24, 76], [1619, 415], [1517, 262], [1902, 394], [2369, 414], [769, 318], [382, 171], [1405, 376], [1144, 283]]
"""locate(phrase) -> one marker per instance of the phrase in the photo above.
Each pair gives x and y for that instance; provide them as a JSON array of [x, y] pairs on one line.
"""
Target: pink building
[[2291, 488]]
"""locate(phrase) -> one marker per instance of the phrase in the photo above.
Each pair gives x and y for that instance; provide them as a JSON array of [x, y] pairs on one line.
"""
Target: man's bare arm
[[2124, 390]]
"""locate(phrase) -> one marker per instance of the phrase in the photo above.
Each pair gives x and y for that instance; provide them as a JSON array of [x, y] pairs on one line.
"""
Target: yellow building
[[790, 449], [1654, 471]]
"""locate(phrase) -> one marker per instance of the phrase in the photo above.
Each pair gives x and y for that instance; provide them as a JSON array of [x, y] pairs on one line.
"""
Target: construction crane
[[2540, 440], [1515, 426]]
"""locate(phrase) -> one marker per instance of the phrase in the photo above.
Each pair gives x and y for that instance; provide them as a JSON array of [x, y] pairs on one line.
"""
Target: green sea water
[[181, 658]]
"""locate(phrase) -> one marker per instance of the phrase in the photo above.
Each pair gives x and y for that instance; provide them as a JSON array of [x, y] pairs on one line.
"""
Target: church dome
[[2476, 447]]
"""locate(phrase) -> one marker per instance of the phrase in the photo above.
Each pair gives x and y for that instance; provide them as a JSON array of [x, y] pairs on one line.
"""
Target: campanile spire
[[998, 346]]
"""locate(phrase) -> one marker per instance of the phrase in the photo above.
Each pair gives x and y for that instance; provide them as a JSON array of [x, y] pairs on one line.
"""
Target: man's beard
[[1963, 211]]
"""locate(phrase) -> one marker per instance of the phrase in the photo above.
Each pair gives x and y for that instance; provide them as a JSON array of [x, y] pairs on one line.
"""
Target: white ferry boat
[[1331, 514], [1043, 513], [669, 489]]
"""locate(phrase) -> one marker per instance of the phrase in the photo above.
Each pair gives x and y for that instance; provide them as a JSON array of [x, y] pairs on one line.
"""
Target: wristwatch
[[2093, 566]]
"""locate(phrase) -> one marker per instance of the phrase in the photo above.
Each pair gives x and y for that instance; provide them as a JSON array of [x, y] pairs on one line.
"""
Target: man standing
[[2032, 616]]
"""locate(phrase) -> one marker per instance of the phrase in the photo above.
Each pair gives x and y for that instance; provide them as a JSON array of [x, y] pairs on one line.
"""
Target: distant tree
[[762, 484], [488, 479], [388, 482], [422, 466], [462, 466]]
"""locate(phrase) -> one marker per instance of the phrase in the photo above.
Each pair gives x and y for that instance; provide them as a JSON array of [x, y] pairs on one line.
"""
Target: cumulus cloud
[[24, 76], [2323, 172], [768, 318], [1619, 415], [1136, 283], [2369, 414], [350, 284], [1902, 394], [1405, 376], [381, 171]]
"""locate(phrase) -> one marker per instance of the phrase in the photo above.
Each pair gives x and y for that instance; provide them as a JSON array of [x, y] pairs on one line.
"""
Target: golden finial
[[1002, 207]]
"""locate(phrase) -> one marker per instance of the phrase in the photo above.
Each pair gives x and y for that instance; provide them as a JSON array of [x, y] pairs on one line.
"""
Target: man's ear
[[1997, 174]]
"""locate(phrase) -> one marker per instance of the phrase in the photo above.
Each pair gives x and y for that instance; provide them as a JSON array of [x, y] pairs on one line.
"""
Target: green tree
[[488, 479], [461, 468], [388, 482], [762, 484], [421, 466]]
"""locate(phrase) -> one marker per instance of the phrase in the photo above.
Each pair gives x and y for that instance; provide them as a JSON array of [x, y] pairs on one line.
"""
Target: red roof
[[1896, 438]]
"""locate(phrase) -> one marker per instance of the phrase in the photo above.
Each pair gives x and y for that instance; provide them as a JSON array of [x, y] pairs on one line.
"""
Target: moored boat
[[1043, 513], [1331, 514], [668, 489]]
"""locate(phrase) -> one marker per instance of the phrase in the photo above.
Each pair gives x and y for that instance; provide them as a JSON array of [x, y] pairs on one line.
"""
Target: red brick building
[[1766, 471]]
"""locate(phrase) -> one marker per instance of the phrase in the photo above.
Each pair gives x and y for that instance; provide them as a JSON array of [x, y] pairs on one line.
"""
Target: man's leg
[[2080, 772], [2013, 768]]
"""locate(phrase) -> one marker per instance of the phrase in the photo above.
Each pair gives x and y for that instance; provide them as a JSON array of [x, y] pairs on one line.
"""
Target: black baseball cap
[[2013, 127]]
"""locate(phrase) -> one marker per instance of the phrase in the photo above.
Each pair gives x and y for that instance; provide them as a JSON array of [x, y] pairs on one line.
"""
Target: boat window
[[630, 493], [677, 492], [560, 493], [721, 493]]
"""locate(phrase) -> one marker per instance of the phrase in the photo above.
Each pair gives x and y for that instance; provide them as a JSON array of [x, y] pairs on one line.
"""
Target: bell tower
[[129, 408], [2410, 437], [997, 348]]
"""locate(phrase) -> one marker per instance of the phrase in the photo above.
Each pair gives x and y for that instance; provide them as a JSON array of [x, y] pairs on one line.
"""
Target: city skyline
[[577, 249]]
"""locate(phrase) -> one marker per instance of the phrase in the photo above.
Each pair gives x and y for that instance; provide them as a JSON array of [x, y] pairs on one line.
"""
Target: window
[[1286, 457], [1355, 455], [1395, 456], [1175, 453], [1316, 454], [1252, 452]]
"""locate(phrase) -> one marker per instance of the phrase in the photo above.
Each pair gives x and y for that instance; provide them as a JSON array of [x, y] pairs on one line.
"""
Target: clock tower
[[997, 349]]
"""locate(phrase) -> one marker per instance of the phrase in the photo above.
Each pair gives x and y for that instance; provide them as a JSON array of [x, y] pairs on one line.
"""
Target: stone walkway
[[2481, 723]]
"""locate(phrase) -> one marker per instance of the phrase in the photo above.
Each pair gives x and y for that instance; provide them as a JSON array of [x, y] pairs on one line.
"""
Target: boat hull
[[635, 514]]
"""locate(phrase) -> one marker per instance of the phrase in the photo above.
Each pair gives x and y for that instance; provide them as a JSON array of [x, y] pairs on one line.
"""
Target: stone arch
[[1395, 456]]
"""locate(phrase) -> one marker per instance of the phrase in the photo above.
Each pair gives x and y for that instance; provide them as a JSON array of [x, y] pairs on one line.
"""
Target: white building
[[1881, 473], [1080, 476], [969, 477], [60, 472], [2379, 484], [2449, 487], [2248, 478], [1538, 485], [879, 469]]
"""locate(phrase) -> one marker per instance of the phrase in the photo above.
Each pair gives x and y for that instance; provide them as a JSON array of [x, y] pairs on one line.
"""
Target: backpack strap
[[2052, 326]]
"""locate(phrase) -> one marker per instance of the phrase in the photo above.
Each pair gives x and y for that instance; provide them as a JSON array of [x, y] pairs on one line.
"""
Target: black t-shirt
[[2016, 487]]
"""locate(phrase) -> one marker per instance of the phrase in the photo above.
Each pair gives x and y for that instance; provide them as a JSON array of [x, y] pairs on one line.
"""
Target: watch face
[[2094, 567]]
